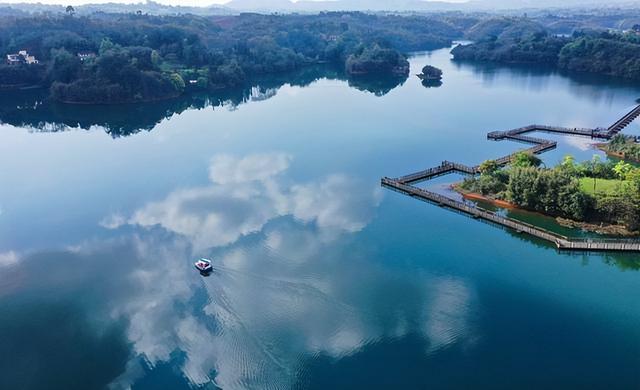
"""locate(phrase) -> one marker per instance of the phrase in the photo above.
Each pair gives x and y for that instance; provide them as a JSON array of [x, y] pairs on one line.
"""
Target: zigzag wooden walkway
[[404, 185]]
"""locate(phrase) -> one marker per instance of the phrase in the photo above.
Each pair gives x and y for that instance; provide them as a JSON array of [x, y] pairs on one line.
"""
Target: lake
[[323, 279]]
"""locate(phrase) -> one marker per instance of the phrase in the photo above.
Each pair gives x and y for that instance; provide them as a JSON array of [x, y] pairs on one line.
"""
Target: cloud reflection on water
[[8, 259], [246, 193], [333, 315], [290, 283]]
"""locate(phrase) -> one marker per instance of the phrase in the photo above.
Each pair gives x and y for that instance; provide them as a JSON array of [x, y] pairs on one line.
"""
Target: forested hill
[[114, 58], [520, 40]]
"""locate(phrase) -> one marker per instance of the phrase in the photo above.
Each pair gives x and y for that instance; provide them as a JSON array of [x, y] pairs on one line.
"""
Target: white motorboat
[[204, 265]]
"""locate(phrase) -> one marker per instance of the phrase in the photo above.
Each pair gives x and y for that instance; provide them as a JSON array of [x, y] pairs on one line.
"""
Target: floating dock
[[404, 185]]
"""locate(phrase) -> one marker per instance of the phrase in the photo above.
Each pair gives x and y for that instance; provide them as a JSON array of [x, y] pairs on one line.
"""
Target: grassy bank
[[595, 187], [600, 196]]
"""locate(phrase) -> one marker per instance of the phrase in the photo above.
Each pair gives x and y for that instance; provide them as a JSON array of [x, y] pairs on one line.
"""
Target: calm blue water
[[324, 279]]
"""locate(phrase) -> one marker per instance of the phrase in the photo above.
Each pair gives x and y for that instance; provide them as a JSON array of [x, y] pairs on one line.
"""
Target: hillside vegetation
[[517, 40], [141, 57]]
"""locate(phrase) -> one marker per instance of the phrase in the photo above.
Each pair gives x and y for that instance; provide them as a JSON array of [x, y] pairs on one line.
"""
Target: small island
[[430, 73]]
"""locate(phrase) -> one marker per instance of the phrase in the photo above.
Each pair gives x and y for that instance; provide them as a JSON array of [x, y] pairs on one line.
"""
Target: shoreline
[[601, 228], [621, 156], [496, 202], [476, 196]]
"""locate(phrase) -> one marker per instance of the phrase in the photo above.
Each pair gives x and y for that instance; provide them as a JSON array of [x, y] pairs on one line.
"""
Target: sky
[[80, 2], [204, 3], [166, 2]]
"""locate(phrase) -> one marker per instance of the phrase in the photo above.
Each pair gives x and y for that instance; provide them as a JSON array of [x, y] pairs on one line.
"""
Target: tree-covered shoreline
[[522, 41], [127, 58], [124, 58]]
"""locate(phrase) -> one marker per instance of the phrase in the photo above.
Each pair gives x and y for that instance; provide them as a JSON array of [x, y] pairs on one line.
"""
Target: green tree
[[521, 189], [488, 167], [568, 164], [64, 66], [177, 82], [376, 59], [106, 45], [634, 177], [552, 191], [622, 169], [227, 75], [525, 159]]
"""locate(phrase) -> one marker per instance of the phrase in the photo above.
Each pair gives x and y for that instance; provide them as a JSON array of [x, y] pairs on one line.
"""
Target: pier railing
[[575, 131], [560, 241], [624, 121]]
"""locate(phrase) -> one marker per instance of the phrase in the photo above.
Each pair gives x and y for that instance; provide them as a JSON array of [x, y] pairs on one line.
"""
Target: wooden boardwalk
[[404, 185], [624, 121], [445, 168], [560, 241], [576, 131]]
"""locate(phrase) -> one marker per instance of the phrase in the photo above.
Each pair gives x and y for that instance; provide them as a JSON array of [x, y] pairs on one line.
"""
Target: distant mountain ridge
[[309, 6], [343, 5], [415, 5]]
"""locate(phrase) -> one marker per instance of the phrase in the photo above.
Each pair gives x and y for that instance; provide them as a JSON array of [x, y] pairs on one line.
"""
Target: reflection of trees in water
[[431, 83], [620, 260], [623, 261], [32, 109], [376, 84], [36, 112], [535, 77]]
